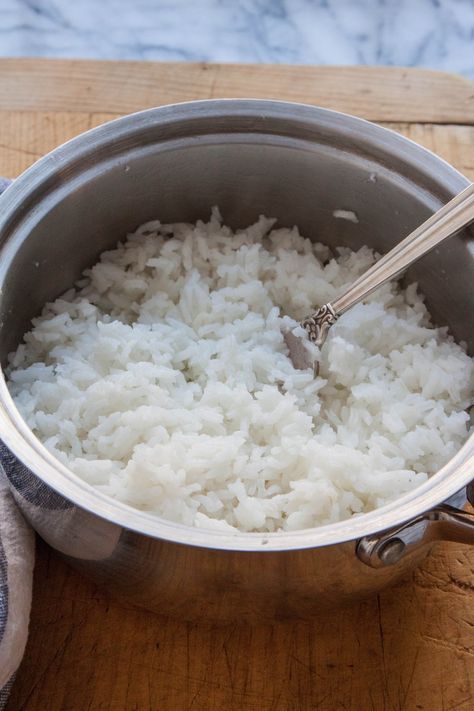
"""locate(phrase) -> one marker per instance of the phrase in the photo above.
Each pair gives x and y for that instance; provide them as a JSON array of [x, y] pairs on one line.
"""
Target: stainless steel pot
[[296, 163]]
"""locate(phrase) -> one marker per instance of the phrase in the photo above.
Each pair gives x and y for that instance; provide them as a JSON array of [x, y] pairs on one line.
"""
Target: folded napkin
[[16, 574]]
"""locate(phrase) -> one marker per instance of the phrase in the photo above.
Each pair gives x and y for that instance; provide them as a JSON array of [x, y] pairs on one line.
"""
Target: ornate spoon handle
[[451, 218]]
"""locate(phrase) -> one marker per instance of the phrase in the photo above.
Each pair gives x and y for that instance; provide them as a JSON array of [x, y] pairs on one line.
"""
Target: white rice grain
[[165, 382]]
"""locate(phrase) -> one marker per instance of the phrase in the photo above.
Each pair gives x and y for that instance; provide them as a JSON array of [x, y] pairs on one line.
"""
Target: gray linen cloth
[[16, 576]]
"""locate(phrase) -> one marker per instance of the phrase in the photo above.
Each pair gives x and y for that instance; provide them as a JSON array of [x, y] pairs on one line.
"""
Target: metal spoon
[[451, 218]]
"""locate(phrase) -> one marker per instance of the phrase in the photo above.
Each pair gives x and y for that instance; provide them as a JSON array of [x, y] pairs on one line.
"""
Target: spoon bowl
[[457, 214]]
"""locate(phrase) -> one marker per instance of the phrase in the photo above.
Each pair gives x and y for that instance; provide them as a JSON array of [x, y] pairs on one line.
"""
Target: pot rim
[[456, 474]]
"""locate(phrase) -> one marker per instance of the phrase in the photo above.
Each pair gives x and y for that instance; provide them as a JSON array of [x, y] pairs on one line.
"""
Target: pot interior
[[297, 164]]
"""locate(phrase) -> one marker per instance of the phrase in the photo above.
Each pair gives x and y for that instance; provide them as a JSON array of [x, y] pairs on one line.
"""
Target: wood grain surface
[[378, 94], [410, 648]]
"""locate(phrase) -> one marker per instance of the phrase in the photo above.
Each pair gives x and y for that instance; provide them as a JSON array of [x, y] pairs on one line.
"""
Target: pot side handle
[[441, 523]]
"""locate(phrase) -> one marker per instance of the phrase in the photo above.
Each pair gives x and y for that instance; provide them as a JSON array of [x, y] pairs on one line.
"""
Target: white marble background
[[424, 33]]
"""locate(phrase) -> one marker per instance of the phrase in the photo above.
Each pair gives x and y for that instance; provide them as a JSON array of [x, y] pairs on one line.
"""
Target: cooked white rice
[[163, 380]]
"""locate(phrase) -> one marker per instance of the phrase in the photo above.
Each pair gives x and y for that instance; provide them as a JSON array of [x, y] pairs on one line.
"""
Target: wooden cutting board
[[408, 649]]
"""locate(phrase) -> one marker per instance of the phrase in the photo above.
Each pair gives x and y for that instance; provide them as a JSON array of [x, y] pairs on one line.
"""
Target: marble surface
[[437, 34]]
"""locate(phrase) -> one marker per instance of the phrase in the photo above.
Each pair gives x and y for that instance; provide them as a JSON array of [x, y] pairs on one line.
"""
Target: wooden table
[[408, 649]]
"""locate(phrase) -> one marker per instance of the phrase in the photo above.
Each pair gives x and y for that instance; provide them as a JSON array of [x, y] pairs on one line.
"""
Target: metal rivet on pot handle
[[444, 522]]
